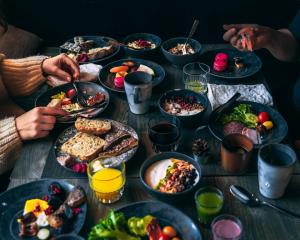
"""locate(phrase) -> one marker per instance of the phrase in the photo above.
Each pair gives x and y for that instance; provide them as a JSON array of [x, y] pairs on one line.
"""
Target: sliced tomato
[[66, 101], [71, 93]]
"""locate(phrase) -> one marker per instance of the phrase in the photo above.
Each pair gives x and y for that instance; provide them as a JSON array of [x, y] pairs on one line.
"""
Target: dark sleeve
[[295, 26]]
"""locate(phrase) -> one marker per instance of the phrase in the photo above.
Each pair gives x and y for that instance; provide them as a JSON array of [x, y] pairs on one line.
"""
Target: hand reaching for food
[[38, 122], [61, 67], [248, 37]]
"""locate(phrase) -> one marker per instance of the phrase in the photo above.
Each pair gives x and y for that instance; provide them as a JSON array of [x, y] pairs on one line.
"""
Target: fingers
[[236, 26], [52, 111], [229, 34], [65, 76], [70, 64], [45, 127], [47, 119]]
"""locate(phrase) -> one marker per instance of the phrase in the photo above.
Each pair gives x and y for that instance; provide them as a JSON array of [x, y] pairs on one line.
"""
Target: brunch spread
[[221, 62], [127, 67], [68, 102], [141, 44], [116, 226], [242, 120], [182, 106], [92, 139], [82, 50], [51, 215], [171, 176], [182, 49]]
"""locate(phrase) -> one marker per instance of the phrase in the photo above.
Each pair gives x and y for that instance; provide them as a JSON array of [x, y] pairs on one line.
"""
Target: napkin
[[220, 94], [88, 72]]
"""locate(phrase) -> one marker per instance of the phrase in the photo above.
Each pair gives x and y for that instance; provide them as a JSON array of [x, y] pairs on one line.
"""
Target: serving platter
[[252, 63], [71, 131], [89, 88], [12, 204], [107, 79], [275, 135]]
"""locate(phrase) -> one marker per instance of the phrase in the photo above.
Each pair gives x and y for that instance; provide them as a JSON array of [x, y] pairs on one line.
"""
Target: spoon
[[192, 32], [251, 200]]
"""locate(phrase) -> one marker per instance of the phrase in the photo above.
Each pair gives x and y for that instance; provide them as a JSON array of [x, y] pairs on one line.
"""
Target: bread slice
[[124, 146], [84, 146], [92, 126]]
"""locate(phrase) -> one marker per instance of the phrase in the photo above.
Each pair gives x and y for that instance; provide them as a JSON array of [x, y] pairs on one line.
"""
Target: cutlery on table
[[80, 96], [251, 200], [192, 32]]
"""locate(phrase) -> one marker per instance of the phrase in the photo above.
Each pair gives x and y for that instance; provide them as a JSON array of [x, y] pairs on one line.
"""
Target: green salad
[[241, 113]]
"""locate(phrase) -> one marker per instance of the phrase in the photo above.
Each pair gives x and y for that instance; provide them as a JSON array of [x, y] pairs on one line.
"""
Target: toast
[[84, 146], [95, 127], [124, 146]]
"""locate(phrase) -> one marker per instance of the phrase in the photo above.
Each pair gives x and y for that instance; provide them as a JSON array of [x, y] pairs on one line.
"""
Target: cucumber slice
[[43, 234]]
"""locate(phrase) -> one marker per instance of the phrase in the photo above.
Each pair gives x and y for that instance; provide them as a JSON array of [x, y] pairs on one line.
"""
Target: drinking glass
[[195, 76], [107, 182], [209, 203], [164, 133], [226, 227]]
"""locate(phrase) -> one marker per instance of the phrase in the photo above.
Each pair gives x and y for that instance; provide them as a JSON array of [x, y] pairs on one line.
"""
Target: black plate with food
[[112, 75], [90, 49], [42, 208], [261, 123], [95, 138], [231, 63], [147, 220], [64, 96]]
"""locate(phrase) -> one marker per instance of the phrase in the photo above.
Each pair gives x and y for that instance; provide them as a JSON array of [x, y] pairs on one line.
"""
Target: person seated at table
[[283, 44], [21, 77]]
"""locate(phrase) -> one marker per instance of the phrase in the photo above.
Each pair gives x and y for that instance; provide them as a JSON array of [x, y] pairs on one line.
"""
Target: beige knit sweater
[[18, 77]]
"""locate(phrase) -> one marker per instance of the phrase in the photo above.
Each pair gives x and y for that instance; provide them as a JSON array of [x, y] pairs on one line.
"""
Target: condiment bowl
[[169, 197], [181, 60]]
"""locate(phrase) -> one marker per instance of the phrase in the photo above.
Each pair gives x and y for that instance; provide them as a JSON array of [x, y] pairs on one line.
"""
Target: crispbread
[[92, 126], [84, 146]]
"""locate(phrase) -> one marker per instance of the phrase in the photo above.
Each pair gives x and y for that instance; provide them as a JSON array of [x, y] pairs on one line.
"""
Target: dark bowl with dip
[[169, 197]]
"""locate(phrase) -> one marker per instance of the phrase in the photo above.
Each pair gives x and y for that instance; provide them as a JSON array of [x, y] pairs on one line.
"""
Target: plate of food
[[64, 96], [90, 49], [42, 209], [113, 74], [231, 63], [259, 122], [146, 220], [170, 176], [89, 139]]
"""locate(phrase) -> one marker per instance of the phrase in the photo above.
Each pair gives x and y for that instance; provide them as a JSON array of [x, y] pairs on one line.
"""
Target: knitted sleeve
[[10, 144], [22, 77]]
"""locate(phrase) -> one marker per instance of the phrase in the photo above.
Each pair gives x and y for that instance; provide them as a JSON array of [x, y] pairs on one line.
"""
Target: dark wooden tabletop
[[37, 161]]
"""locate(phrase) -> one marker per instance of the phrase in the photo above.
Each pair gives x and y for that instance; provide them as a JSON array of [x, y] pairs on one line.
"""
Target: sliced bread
[[92, 126], [84, 146]]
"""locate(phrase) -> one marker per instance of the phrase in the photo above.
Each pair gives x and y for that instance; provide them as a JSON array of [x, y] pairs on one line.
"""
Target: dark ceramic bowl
[[166, 215], [100, 41], [69, 237], [143, 53], [189, 120], [169, 197], [181, 60]]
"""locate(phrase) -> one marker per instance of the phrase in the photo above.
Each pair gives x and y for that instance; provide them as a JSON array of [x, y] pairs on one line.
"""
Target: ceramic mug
[[276, 164], [138, 88]]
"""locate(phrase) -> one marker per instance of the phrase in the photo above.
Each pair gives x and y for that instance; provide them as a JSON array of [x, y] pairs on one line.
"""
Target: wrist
[[271, 39], [44, 69]]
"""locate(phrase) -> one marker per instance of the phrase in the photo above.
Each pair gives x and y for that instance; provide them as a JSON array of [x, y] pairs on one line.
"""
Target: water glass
[[195, 76]]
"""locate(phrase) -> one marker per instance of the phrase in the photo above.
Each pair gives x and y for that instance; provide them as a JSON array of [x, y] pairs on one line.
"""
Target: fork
[[80, 97]]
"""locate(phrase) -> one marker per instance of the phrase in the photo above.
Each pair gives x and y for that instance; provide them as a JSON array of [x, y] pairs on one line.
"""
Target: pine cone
[[200, 147]]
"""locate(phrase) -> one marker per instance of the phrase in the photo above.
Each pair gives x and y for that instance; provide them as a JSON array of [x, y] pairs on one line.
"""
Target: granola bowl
[[170, 176]]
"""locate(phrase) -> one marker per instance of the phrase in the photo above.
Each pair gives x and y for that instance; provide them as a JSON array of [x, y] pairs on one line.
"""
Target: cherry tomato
[[71, 93], [169, 231], [263, 117], [268, 125], [66, 101], [163, 236]]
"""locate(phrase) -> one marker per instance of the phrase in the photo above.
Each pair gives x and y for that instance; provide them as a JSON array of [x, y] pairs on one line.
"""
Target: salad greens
[[115, 226], [241, 113]]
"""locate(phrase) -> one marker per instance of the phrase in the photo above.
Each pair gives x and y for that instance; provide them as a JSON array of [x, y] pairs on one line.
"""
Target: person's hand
[[38, 122], [61, 67], [260, 36]]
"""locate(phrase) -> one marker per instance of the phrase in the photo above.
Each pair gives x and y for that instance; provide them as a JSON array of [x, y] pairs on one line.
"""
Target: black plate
[[90, 88], [71, 131], [107, 79], [275, 135], [100, 41], [12, 202], [252, 63], [166, 215]]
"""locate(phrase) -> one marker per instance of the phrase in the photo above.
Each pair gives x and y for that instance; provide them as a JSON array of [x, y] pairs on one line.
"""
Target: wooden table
[[37, 161]]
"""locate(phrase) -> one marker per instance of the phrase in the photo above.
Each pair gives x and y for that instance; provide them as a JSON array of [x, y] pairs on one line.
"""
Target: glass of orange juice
[[107, 182]]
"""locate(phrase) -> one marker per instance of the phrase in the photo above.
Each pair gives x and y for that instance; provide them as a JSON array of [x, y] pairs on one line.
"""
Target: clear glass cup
[[209, 203], [107, 182], [164, 133], [195, 76], [226, 227]]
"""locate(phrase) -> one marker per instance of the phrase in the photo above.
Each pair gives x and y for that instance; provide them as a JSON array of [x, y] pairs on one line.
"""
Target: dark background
[[58, 20]]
